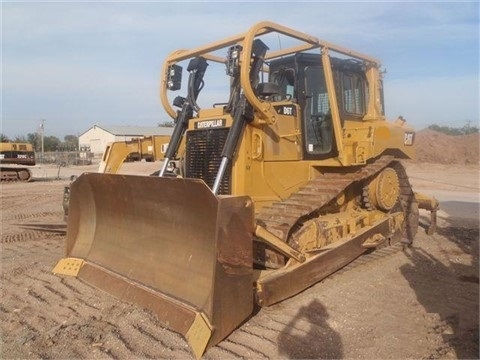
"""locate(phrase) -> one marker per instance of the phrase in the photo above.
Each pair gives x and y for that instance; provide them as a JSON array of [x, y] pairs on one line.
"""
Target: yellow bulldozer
[[291, 176]]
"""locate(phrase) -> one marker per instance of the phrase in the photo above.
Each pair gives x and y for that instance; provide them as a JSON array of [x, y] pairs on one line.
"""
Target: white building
[[97, 137]]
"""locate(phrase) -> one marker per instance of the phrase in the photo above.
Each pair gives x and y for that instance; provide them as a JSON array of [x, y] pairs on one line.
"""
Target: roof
[[134, 130]]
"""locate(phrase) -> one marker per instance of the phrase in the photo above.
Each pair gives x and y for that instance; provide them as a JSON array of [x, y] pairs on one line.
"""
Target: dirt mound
[[435, 147]]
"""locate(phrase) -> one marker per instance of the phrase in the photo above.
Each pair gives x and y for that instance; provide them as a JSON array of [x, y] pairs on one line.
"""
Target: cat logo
[[408, 138], [210, 123]]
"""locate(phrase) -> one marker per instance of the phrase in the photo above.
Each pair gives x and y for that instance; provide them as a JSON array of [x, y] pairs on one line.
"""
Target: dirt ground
[[421, 303]]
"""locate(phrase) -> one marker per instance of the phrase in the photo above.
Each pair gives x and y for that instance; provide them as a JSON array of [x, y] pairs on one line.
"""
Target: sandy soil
[[418, 303]]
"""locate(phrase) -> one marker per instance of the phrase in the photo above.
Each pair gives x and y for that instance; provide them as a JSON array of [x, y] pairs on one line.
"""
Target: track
[[280, 217], [284, 218], [12, 173]]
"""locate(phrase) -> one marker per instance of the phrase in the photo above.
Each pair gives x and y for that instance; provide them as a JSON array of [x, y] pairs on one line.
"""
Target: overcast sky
[[76, 64]]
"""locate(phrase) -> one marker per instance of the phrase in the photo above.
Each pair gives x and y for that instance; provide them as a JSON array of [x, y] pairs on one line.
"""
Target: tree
[[50, 143], [35, 140], [71, 141], [4, 138], [20, 139], [166, 124], [467, 129]]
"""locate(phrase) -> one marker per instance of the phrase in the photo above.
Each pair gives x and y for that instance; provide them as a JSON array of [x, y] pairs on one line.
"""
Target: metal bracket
[[267, 237]]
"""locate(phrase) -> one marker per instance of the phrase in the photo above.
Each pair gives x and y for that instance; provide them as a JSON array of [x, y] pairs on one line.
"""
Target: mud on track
[[418, 303]]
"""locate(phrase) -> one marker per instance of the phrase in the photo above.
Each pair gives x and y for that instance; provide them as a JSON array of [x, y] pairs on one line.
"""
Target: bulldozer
[[292, 175]]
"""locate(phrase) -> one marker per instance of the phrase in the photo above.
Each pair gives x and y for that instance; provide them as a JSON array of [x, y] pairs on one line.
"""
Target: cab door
[[317, 119]]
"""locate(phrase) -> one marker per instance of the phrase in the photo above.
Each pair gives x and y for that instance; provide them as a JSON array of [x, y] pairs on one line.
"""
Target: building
[[98, 136]]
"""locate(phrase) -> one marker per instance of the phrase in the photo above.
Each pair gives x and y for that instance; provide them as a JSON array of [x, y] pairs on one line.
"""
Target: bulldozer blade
[[167, 244]]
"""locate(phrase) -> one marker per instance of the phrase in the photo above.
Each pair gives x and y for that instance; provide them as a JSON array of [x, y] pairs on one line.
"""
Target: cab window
[[353, 94], [317, 115], [285, 79]]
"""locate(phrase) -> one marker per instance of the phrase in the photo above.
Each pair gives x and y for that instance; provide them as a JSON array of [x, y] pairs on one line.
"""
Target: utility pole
[[42, 127]]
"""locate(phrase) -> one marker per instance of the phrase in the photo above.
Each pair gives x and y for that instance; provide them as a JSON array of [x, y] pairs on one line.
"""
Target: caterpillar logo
[[408, 138], [210, 123]]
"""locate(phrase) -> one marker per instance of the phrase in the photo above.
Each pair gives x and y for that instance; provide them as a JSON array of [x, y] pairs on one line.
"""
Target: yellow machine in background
[[148, 148], [291, 176], [15, 159]]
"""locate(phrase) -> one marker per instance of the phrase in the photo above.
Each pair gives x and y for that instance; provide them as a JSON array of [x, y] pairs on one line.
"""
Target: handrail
[[246, 40]]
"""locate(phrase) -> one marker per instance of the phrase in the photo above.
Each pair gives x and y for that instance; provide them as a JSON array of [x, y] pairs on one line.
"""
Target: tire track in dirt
[[247, 339], [55, 302], [266, 326], [28, 236], [123, 340], [31, 254], [30, 216], [153, 334], [9, 253], [72, 288], [56, 317], [219, 352], [367, 259], [269, 323], [17, 237], [77, 306], [241, 350], [259, 332], [150, 340]]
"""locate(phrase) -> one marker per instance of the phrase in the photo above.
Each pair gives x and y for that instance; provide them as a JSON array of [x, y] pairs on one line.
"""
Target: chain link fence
[[66, 158]]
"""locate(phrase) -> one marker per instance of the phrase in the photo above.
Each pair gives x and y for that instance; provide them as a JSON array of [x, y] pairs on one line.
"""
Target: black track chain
[[16, 179], [408, 203], [281, 217]]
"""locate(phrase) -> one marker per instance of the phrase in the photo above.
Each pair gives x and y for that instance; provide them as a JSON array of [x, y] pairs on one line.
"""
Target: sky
[[77, 64]]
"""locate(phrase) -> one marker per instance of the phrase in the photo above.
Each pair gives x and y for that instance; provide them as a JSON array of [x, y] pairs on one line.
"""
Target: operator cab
[[301, 79]]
